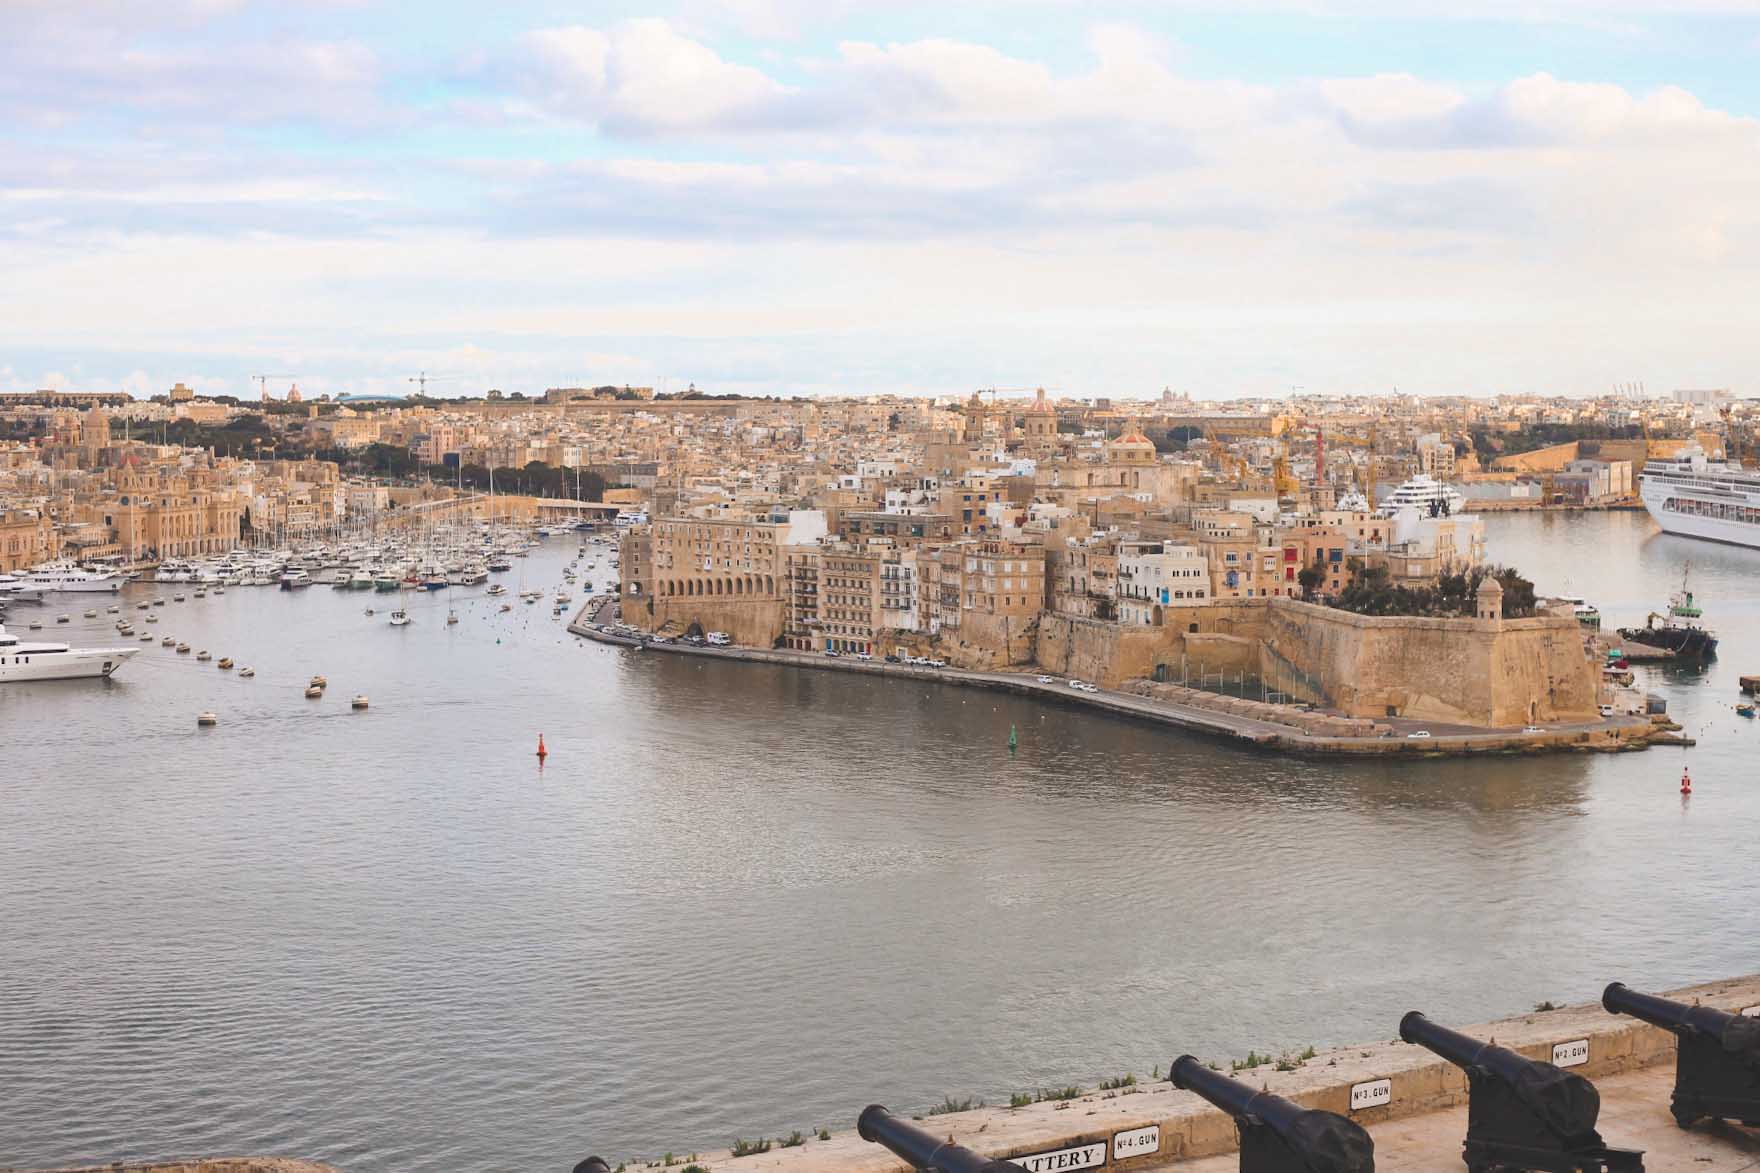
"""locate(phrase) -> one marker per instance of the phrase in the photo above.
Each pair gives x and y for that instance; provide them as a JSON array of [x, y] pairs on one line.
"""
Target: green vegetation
[[795, 1140], [1125, 1080], [1019, 1100], [1370, 593], [1253, 1059], [743, 1148], [948, 1104], [824, 1134], [1490, 446]]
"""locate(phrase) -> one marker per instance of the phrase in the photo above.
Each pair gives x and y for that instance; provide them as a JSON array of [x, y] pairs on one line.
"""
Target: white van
[[719, 639]]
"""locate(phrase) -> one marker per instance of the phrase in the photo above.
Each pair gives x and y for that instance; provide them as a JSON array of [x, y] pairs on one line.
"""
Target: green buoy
[[1013, 740]]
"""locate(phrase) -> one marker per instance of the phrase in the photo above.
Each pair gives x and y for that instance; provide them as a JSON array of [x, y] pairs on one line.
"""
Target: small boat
[[496, 589], [207, 718], [314, 693], [125, 629], [64, 619], [320, 682], [219, 590], [146, 637], [359, 702], [246, 672], [202, 657], [201, 594], [152, 619], [91, 615], [400, 618], [112, 609], [183, 649], [505, 607], [1745, 709], [142, 606], [156, 603], [177, 598], [225, 664], [451, 618], [169, 641]]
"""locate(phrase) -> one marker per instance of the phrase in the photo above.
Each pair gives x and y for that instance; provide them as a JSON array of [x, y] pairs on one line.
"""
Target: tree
[[1310, 578]]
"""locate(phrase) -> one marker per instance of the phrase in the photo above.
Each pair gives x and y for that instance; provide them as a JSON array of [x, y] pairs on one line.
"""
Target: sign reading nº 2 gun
[[1088, 1156]]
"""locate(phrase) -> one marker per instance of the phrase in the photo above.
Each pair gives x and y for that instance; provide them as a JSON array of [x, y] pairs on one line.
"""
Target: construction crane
[[263, 383], [423, 378]]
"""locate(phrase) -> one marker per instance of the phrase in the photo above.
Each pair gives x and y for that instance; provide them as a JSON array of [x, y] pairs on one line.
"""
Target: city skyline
[[780, 198]]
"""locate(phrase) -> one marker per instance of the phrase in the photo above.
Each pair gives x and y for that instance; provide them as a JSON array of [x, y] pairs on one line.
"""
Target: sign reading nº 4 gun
[[1136, 1142], [1087, 1156]]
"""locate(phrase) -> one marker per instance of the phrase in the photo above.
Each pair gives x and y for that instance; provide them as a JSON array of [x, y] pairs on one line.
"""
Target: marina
[[529, 949]]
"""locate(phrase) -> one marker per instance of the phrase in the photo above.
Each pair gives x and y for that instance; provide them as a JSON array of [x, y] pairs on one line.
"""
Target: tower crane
[[422, 378]]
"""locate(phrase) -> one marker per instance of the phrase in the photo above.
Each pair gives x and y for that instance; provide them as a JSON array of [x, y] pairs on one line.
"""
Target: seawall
[[1244, 724]]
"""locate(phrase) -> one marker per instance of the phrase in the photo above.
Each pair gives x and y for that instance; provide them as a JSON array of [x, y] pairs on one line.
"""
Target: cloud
[[643, 77]]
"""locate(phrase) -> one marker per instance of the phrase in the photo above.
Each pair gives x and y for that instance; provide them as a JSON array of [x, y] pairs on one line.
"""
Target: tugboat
[[1679, 631]]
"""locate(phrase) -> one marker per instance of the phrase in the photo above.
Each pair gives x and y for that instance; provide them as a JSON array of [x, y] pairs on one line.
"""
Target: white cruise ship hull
[[84, 663], [1711, 529]]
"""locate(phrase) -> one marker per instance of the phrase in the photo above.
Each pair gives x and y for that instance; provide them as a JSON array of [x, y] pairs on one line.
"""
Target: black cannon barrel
[[924, 1151], [1569, 1104], [1735, 1033], [1325, 1141], [592, 1165]]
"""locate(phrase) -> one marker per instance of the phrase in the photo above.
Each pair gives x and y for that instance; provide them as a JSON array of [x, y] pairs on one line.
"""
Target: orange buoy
[[542, 752], [1686, 782]]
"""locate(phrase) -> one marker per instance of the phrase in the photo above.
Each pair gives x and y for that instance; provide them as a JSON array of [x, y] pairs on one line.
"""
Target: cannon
[[924, 1152], [1278, 1136], [592, 1165], [1717, 1055], [1522, 1114]]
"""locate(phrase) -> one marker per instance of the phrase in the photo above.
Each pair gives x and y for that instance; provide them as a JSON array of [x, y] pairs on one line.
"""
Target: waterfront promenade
[[1618, 733]]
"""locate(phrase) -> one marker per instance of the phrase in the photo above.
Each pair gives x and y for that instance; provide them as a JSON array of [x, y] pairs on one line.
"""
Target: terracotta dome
[[1042, 405]]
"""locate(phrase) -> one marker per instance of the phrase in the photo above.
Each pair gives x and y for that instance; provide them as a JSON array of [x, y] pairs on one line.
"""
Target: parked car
[[863, 656], [831, 653], [1531, 729], [1047, 680], [936, 663], [1418, 734], [1607, 710], [893, 660]]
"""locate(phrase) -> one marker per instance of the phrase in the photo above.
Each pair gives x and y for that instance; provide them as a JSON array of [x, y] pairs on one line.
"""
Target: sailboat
[[400, 618]]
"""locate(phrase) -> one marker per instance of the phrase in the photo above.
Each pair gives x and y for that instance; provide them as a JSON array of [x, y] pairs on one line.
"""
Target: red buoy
[[542, 752], [1686, 781]]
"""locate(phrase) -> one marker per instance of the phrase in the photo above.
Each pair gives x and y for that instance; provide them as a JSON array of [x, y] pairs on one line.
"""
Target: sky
[[841, 197]]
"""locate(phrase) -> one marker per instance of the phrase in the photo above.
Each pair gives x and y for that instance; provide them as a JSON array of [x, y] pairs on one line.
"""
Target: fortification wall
[[1494, 673], [755, 623]]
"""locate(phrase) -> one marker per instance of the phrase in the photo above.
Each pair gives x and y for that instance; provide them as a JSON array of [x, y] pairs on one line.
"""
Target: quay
[[1413, 1103], [1620, 733]]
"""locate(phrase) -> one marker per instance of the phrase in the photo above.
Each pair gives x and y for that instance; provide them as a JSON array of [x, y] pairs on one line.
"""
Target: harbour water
[[742, 900]]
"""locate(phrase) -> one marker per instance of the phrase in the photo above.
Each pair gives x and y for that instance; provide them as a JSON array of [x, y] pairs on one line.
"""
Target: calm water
[[744, 900]]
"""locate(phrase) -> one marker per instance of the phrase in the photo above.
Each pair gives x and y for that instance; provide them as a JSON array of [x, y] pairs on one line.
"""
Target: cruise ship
[[1429, 496], [41, 661], [1692, 495]]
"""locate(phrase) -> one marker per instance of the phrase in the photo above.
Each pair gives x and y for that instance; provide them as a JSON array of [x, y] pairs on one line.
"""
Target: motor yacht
[[50, 661]]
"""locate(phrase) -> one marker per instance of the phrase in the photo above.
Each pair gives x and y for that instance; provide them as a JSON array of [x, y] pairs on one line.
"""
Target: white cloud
[[641, 76]]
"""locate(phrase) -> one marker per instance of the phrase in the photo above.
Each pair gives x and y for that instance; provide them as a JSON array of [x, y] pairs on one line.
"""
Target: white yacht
[[1692, 495], [17, 590], [293, 578], [42, 661], [65, 576], [1429, 496]]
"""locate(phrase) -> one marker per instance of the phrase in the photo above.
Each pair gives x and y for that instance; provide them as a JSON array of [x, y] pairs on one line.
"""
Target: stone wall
[[1315, 724], [754, 623], [1222, 635], [1492, 673]]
